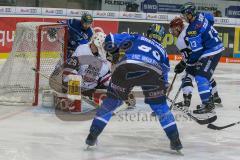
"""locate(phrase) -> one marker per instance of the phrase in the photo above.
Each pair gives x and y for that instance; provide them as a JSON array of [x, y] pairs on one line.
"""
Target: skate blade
[[180, 152], [89, 148], [177, 152]]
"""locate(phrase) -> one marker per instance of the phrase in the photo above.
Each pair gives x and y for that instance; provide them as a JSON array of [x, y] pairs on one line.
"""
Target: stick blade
[[208, 120], [212, 126]]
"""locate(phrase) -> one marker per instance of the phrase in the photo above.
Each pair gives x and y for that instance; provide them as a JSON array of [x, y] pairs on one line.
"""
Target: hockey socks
[[168, 123], [204, 88], [101, 119], [166, 118]]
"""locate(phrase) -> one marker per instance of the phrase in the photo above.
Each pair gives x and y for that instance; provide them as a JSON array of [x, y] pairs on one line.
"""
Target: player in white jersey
[[93, 66], [89, 62], [178, 29]]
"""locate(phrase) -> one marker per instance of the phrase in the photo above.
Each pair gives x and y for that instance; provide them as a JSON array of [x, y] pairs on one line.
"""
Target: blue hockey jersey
[[143, 51], [203, 38], [76, 34]]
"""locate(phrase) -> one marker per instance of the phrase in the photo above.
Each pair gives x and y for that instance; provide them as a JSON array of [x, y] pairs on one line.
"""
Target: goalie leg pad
[[62, 102]]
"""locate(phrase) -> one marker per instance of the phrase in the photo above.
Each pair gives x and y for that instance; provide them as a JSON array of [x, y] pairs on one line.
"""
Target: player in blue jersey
[[206, 50], [139, 62], [79, 32], [178, 29]]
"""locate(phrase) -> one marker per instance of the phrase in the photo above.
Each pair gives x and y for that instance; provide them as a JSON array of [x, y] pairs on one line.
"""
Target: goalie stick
[[212, 126]]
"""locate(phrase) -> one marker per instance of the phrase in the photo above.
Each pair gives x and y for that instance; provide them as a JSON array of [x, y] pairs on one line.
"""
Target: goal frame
[[38, 56]]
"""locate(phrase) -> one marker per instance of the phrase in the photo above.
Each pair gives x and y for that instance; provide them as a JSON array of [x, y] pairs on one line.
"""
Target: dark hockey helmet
[[156, 32], [87, 18], [188, 8], [176, 24], [112, 50]]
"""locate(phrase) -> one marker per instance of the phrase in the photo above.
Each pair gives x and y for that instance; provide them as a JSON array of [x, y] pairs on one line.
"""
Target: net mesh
[[17, 80]]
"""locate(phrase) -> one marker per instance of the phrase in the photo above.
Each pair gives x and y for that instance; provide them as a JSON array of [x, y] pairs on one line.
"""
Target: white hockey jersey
[[182, 45], [94, 70]]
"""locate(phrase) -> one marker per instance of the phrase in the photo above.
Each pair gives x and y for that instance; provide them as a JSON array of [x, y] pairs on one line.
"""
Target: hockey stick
[[212, 126], [198, 120], [177, 94], [170, 87]]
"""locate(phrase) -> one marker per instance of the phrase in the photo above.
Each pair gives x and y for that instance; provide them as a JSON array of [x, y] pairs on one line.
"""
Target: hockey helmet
[[111, 48], [156, 32], [98, 40], [188, 8], [87, 18], [176, 24]]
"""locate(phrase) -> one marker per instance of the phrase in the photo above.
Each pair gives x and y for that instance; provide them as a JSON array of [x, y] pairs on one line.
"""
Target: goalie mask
[[98, 40]]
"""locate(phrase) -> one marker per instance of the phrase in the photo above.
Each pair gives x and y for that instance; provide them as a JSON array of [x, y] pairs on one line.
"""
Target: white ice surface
[[28, 133]]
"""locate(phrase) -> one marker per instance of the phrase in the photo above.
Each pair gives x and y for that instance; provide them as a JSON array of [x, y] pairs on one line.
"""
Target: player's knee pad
[[187, 86], [187, 81]]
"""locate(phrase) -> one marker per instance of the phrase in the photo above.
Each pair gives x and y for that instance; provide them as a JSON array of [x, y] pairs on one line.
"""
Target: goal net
[[36, 45]]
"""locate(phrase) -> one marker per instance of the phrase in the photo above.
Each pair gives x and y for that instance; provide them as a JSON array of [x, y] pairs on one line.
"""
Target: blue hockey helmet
[[109, 44], [156, 32], [111, 48], [188, 8]]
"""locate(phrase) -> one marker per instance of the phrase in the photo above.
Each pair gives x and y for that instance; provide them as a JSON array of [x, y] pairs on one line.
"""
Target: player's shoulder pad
[[209, 17], [119, 38]]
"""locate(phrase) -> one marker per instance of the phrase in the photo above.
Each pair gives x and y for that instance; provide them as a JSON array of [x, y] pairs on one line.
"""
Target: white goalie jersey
[[95, 70]]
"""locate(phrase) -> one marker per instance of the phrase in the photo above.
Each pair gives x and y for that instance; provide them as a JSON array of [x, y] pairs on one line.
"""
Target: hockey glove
[[180, 67]]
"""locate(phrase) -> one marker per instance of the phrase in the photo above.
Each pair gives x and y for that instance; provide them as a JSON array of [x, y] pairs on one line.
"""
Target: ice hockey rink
[[36, 133]]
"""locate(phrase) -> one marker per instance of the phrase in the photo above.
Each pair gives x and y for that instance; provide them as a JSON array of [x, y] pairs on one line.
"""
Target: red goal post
[[39, 45]]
